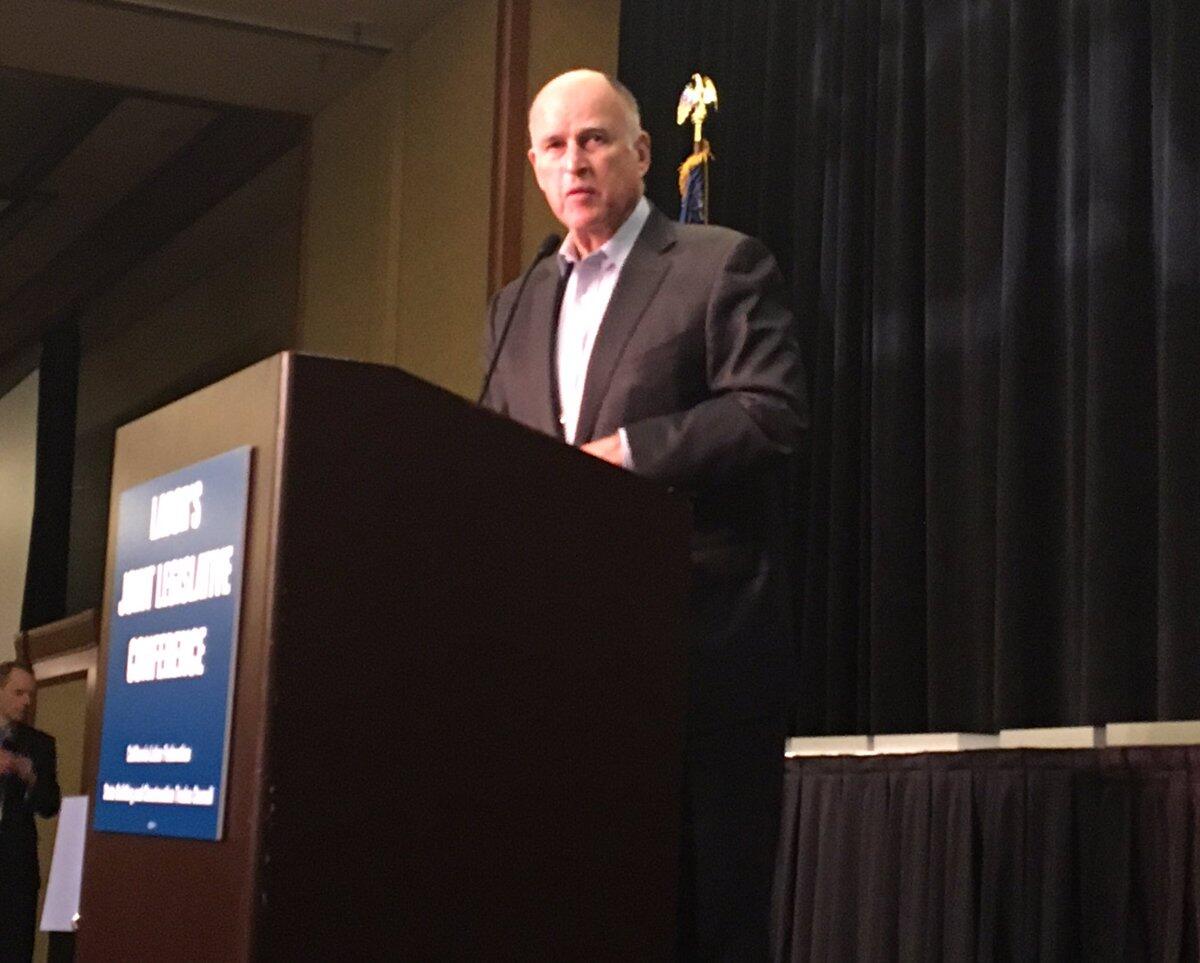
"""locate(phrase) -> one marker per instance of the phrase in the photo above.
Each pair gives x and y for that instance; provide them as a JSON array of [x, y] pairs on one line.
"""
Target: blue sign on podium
[[172, 651]]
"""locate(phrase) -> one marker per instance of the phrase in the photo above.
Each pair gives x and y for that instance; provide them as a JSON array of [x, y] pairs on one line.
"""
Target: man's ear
[[642, 146]]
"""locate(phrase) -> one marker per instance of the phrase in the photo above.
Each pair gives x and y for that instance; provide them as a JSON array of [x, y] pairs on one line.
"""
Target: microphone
[[549, 244]]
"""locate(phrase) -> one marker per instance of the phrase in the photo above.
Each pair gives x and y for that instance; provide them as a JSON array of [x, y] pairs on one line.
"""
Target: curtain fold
[[1175, 133], [989, 215]]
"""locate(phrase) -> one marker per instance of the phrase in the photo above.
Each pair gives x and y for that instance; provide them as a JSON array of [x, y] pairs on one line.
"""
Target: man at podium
[[671, 353]]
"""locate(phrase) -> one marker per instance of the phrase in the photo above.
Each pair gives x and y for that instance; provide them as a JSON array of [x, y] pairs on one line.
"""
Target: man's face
[[16, 696], [587, 155]]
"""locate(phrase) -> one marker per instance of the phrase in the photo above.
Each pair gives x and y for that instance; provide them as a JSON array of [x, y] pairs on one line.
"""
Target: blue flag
[[693, 186]]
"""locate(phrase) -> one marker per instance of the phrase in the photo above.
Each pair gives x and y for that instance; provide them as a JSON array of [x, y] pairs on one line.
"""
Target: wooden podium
[[457, 713]]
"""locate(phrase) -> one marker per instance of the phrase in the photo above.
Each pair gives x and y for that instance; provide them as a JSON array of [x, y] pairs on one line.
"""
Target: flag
[[693, 186]]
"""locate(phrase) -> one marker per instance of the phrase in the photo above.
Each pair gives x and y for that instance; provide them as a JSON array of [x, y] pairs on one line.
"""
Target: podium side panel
[[153, 898]]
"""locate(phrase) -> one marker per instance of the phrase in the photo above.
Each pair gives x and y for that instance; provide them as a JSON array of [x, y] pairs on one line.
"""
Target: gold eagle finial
[[694, 103]]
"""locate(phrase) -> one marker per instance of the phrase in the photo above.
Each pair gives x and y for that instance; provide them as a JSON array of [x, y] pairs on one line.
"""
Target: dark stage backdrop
[[989, 214]]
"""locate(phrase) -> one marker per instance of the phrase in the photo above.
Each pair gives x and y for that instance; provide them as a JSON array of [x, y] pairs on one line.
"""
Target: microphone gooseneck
[[549, 244]]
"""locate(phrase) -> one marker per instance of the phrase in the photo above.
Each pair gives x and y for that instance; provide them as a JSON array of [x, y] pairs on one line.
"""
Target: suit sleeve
[[755, 405], [45, 796]]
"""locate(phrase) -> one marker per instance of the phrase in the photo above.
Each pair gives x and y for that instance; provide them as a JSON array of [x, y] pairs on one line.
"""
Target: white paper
[[61, 909]]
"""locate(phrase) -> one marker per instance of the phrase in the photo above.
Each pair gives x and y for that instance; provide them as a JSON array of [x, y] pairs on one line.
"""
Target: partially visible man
[[668, 349], [28, 785]]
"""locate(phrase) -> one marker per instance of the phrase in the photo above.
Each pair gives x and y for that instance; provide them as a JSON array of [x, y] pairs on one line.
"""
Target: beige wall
[[350, 259], [395, 246], [447, 189], [18, 446], [394, 257]]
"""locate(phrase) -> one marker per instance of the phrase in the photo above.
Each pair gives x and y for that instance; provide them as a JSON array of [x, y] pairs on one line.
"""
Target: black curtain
[[46, 571], [989, 214]]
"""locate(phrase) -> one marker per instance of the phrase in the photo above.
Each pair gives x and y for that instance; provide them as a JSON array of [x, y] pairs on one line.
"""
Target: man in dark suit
[[668, 349], [28, 785]]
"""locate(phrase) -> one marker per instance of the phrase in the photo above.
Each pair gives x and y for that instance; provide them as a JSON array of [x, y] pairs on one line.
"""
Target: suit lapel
[[641, 275], [540, 323]]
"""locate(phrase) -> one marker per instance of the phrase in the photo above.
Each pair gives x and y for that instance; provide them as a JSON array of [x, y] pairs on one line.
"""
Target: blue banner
[[172, 650]]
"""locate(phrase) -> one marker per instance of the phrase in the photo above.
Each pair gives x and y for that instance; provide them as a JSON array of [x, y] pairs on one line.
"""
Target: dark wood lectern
[[459, 692]]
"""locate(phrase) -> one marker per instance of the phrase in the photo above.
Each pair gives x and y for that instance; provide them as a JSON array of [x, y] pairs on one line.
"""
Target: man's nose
[[574, 156]]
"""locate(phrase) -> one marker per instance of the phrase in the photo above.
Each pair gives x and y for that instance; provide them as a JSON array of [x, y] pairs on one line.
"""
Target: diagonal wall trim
[[224, 156]]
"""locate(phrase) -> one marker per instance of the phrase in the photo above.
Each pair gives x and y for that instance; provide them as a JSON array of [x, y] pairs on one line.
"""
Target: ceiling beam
[[223, 157]]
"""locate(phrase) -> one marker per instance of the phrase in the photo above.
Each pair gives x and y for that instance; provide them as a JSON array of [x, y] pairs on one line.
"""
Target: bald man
[[668, 350]]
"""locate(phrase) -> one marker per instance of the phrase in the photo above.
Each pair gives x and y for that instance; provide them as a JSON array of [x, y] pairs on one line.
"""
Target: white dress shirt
[[589, 289]]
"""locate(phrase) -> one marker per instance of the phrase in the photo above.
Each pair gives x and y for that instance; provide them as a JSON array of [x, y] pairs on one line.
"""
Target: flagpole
[[694, 102]]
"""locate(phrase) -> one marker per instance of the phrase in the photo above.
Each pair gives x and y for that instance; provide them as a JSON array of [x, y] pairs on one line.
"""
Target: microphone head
[[550, 244]]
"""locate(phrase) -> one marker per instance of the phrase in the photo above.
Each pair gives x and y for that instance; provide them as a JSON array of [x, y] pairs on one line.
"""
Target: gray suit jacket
[[697, 359]]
